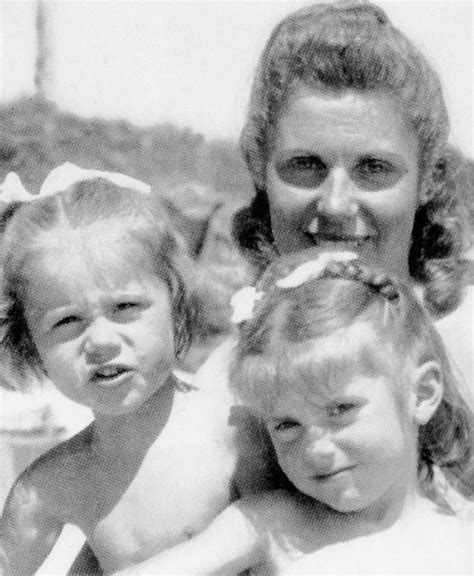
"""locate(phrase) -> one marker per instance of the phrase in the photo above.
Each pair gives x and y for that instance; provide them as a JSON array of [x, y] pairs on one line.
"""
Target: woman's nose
[[101, 341], [337, 199]]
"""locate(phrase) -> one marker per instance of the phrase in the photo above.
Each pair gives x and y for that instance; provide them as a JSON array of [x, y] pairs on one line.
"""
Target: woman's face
[[343, 175]]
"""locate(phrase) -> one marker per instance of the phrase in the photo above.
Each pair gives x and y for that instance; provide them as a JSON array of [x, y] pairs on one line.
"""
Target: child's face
[[107, 345], [347, 444]]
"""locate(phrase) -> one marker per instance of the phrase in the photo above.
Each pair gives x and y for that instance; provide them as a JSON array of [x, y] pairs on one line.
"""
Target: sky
[[192, 62]]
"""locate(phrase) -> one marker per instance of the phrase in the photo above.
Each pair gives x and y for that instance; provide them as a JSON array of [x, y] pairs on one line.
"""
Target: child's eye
[[286, 430], [286, 425], [127, 310], [341, 409], [67, 320]]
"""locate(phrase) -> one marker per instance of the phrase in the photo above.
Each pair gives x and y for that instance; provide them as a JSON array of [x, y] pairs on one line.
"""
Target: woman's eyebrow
[[384, 153], [132, 293]]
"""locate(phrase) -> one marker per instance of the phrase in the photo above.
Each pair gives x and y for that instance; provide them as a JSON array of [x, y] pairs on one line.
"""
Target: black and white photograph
[[236, 287]]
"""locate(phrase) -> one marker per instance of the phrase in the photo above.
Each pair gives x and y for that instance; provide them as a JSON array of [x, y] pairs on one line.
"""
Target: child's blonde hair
[[299, 336], [141, 232]]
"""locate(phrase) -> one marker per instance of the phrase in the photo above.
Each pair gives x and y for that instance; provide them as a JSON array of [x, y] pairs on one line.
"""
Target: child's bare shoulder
[[69, 453], [42, 497], [49, 481]]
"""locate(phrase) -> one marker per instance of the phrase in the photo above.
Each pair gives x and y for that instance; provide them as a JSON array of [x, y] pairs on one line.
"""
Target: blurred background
[[158, 91]]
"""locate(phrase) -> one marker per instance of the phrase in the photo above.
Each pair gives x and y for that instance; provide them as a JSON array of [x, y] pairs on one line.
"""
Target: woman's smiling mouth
[[349, 242]]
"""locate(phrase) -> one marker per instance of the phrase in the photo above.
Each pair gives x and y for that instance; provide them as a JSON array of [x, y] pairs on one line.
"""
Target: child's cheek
[[287, 455]]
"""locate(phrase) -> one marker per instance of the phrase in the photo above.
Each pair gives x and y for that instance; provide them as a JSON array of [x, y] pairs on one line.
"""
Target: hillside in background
[[36, 136]]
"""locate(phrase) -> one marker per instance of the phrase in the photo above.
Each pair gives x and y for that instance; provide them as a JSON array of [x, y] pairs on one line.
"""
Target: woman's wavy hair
[[301, 337], [140, 234], [351, 44]]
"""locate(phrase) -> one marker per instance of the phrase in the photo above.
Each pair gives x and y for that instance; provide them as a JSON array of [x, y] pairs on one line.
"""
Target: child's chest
[[131, 510]]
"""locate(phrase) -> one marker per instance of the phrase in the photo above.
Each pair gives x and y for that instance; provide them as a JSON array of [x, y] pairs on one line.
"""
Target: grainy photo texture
[[236, 287]]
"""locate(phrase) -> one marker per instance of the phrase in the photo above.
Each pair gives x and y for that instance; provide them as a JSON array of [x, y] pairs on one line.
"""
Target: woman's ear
[[427, 388]]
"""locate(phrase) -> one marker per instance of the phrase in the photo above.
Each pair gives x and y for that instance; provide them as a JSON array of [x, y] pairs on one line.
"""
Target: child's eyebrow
[[57, 312], [43, 316]]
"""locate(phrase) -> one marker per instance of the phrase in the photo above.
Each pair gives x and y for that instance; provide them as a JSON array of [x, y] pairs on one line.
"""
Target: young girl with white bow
[[95, 298], [352, 385]]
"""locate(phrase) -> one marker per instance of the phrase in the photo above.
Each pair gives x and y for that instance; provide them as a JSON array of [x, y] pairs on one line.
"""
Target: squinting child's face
[[108, 346], [347, 444]]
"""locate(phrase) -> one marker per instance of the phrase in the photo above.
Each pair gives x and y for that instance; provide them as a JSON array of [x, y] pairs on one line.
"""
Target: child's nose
[[319, 446], [101, 341]]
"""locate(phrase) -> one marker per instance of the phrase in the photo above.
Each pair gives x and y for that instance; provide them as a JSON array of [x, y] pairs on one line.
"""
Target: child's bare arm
[[28, 530], [230, 545]]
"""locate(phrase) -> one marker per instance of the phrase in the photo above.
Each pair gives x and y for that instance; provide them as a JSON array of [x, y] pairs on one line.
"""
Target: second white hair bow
[[61, 178], [313, 268], [243, 301]]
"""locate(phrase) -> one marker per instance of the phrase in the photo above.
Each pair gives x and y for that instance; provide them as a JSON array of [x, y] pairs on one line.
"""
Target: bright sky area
[[192, 62]]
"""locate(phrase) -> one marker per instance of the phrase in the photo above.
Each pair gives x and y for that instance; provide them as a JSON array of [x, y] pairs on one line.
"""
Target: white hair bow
[[12, 189], [243, 301], [313, 268], [61, 178]]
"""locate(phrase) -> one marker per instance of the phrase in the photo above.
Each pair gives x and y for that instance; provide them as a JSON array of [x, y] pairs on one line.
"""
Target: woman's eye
[[306, 171], [126, 306], [341, 409], [375, 173]]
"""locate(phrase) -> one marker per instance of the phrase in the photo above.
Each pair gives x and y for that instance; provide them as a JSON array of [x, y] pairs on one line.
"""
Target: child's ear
[[427, 390]]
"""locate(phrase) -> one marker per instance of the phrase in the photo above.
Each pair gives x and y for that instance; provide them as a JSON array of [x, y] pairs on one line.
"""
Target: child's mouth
[[333, 475], [110, 375]]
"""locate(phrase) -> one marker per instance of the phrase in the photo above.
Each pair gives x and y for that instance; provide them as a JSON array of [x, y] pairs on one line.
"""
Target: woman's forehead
[[373, 118]]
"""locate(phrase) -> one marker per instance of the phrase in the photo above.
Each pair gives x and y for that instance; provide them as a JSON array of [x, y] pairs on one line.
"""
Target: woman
[[346, 140]]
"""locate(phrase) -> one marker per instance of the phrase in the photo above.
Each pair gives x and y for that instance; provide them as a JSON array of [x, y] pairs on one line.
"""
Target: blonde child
[[95, 298], [351, 382]]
